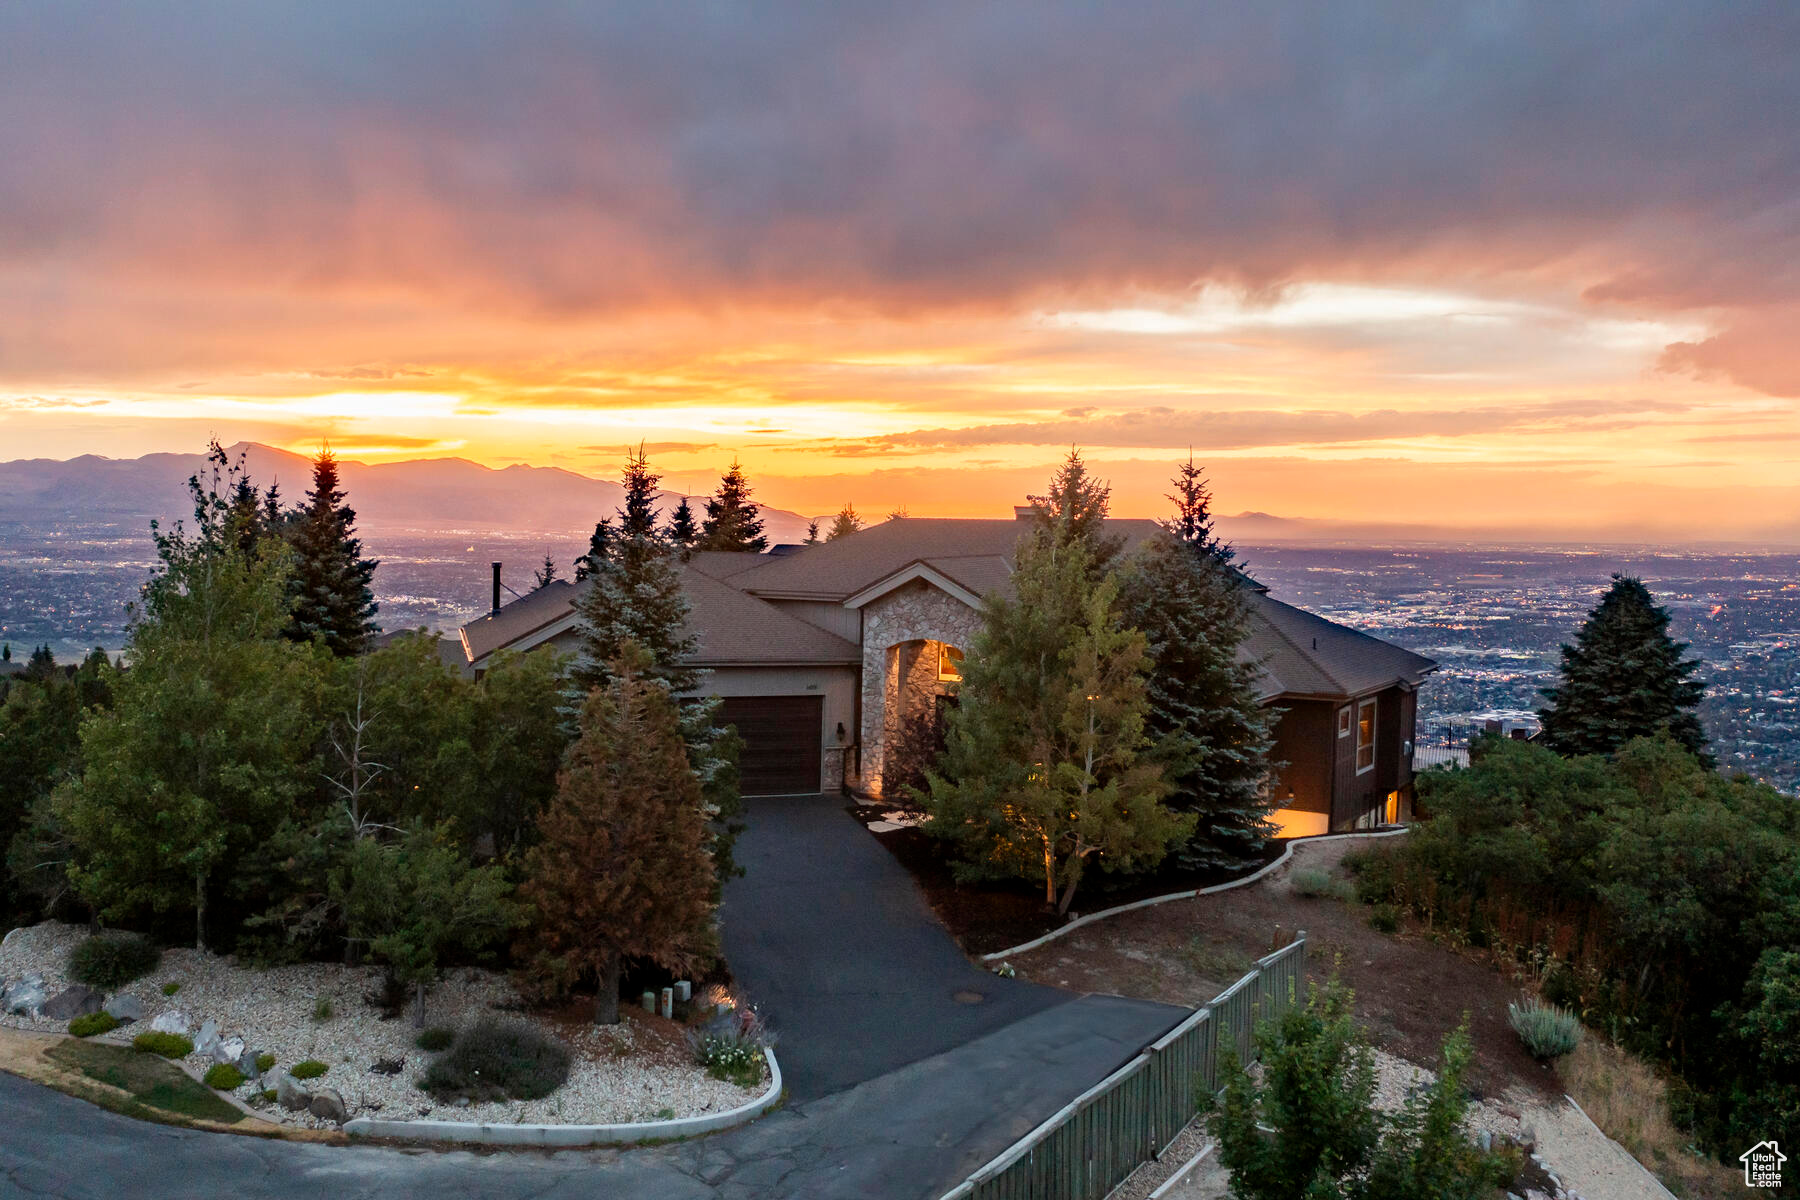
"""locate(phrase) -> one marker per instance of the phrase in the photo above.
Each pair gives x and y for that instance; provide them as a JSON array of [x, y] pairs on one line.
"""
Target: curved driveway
[[897, 1089]]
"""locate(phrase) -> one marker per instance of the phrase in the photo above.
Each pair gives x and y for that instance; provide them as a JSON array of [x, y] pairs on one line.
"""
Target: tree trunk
[[1068, 896], [1049, 876], [606, 1004], [199, 911]]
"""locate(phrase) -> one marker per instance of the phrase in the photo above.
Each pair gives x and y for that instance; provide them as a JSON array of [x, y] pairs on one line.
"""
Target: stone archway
[[902, 633]]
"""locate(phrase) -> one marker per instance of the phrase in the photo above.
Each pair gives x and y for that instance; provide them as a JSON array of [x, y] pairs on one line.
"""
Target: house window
[[1344, 721], [949, 664], [1365, 736]]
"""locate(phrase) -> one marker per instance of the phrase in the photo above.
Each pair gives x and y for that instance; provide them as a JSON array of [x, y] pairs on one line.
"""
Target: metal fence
[[1088, 1148]]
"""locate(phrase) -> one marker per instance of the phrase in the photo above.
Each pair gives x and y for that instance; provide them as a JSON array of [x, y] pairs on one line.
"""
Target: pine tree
[[812, 533], [1046, 765], [1075, 509], [732, 521], [599, 549], [1193, 522], [545, 575], [846, 522], [1623, 677], [332, 599], [682, 530], [1204, 713], [898, 513], [621, 870]]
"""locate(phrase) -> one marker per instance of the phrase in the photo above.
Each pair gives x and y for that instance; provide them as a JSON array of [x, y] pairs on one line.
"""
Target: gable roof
[[1302, 654]]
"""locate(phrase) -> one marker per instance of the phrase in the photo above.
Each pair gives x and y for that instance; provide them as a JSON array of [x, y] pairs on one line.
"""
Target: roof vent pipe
[[496, 610], [497, 597]]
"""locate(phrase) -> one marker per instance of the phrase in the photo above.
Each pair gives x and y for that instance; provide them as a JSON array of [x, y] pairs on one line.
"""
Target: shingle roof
[[1302, 654], [731, 626]]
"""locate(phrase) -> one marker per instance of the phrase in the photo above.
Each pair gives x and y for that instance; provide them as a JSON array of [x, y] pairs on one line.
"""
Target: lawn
[[153, 1084]]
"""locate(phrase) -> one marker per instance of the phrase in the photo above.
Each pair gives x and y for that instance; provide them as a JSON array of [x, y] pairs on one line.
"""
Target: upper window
[[1344, 721], [1365, 736], [949, 664]]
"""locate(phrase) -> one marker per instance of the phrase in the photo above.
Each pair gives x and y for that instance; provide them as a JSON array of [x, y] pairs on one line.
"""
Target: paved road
[[897, 1089]]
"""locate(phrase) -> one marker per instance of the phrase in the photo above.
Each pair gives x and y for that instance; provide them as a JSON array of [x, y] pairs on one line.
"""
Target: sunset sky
[[1522, 269]]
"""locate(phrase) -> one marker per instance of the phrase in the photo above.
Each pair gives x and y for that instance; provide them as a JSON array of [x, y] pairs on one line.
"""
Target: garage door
[[781, 742]]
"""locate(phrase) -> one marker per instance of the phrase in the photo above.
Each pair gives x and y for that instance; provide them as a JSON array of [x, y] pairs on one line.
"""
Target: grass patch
[[168, 1045], [1220, 962], [171, 987], [109, 961], [264, 1062], [311, 1068], [151, 1083], [93, 1023], [1628, 1100], [322, 1010], [498, 1060]]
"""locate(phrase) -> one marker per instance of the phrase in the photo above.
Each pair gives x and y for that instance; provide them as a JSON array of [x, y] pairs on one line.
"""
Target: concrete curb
[[1182, 1172], [1104, 913], [1627, 1155], [574, 1135]]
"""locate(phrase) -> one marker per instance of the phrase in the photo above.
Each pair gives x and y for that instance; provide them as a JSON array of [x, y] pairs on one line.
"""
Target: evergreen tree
[[732, 521], [1075, 509], [1045, 764], [599, 549], [6, 650], [621, 870], [332, 599], [40, 666], [812, 539], [1193, 522], [545, 575], [1204, 713], [898, 514], [683, 532], [846, 522], [1623, 677]]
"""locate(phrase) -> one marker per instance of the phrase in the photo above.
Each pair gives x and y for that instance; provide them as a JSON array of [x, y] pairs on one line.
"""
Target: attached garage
[[782, 751]]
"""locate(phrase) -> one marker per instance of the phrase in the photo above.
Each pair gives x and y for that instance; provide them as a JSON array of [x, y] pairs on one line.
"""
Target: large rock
[[207, 1040], [289, 1094], [246, 1065], [24, 996], [327, 1105], [125, 1008], [73, 1001], [228, 1050], [173, 1021]]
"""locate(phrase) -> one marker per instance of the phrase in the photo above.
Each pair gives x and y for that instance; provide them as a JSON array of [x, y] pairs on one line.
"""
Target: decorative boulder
[[327, 1105], [73, 1001], [173, 1021], [24, 996], [289, 1094], [246, 1065], [125, 1009], [229, 1050], [207, 1040]]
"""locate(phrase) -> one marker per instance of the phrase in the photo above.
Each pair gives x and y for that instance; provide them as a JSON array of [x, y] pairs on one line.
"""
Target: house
[[821, 655]]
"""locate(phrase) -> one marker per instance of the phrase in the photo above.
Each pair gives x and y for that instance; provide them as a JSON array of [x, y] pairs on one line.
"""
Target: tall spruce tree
[[545, 575], [1623, 677], [845, 523], [683, 532], [1213, 735], [599, 549], [1193, 520], [621, 869], [332, 599], [732, 520], [1074, 509], [1046, 765], [812, 533]]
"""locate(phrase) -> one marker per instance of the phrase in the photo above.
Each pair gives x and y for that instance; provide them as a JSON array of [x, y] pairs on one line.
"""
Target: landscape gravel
[[629, 1072]]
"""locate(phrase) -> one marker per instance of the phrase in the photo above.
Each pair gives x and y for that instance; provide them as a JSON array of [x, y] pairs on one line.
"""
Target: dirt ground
[[1409, 992]]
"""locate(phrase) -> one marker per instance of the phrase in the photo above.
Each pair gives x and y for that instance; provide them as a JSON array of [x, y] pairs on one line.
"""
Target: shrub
[[1384, 918], [224, 1077], [322, 1009], [311, 1068], [730, 1047], [1377, 880], [264, 1062], [1547, 1031], [171, 987], [93, 1023], [169, 1045], [498, 1060], [112, 960], [1313, 884], [435, 1039]]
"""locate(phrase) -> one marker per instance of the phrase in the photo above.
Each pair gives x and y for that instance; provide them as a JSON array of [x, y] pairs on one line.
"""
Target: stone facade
[[901, 634]]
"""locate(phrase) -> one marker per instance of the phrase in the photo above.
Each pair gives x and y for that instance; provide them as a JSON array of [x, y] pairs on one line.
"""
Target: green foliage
[[265, 1062], [168, 1045], [1623, 677], [40, 748], [844, 524], [1313, 884], [1546, 1030], [310, 1068], [171, 987], [498, 1060], [1327, 1142], [684, 531], [1045, 765], [332, 600], [730, 1047], [1074, 510], [322, 1010], [111, 960], [1212, 732], [91, 1024], [622, 867], [224, 1077], [157, 1090], [1384, 918], [435, 1039], [732, 520]]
